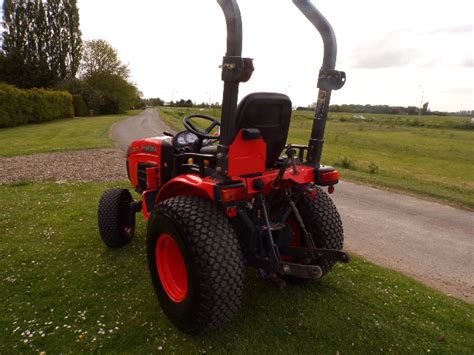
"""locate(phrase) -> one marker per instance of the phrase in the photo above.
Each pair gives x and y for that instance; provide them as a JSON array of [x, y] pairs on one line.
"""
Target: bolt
[[218, 169], [220, 155]]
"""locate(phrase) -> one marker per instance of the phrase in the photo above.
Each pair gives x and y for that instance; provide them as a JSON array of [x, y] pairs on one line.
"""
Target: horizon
[[309, 107]]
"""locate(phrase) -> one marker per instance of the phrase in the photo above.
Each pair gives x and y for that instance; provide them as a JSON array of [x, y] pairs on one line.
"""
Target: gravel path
[[84, 165], [79, 165]]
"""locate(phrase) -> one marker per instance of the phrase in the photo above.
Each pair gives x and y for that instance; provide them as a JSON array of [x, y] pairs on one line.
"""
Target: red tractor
[[218, 203]]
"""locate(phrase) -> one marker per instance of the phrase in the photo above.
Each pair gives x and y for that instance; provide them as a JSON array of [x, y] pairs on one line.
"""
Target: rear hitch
[[316, 254], [311, 272]]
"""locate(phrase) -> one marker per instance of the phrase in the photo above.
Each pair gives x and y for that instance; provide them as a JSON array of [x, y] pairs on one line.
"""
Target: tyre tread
[[109, 217], [215, 251], [323, 222]]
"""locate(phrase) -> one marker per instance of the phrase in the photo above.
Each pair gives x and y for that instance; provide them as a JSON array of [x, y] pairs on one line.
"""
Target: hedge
[[18, 106]]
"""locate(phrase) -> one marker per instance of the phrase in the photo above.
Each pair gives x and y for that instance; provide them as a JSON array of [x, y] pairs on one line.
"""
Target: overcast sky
[[387, 48]]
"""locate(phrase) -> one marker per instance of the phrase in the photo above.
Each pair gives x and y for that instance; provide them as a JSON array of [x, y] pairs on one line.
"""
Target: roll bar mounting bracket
[[236, 69], [331, 79]]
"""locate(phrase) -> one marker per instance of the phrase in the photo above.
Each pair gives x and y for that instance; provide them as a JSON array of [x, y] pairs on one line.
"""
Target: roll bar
[[236, 69], [324, 28], [234, 26], [234, 29]]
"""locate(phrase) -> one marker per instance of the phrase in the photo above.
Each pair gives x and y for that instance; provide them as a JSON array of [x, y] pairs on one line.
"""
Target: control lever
[[291, 152]]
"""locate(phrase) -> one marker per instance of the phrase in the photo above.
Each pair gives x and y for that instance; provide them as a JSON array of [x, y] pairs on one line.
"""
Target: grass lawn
[[59, 135], [64, 291], [432, 156]]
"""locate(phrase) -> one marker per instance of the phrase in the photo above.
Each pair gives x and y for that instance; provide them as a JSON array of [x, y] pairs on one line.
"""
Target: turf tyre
[[116, 218], [212, 257], [323, 222]]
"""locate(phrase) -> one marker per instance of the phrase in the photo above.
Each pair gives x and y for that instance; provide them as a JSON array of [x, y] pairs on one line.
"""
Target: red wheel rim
[[171, 268]]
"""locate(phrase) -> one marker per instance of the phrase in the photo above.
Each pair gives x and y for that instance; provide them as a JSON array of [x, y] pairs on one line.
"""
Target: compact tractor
[[233, 194]]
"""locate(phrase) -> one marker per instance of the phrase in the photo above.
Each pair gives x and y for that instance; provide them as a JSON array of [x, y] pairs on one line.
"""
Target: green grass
[[64, 291], [432, 156], [59, 135]]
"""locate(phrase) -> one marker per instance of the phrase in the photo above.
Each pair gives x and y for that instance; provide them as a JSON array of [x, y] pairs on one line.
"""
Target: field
[[429, 156], [59, 135], [63, 291]]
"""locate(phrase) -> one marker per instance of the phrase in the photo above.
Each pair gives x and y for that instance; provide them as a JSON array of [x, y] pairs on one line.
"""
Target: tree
[[100, 57], [65, 50], [74, 39], [14, 42], [41, 42], [117, 94], [106, 88], [154, 102]]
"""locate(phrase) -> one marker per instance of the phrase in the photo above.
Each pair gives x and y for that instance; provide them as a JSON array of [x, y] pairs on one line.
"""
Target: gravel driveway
[[84, 165], [79, 165]]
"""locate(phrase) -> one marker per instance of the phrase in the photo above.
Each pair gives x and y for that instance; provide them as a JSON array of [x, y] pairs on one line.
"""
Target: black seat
[[268, 112], [271, 114]]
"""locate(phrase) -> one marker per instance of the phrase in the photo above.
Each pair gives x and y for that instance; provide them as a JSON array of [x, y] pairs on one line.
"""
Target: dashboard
[[185, 139]]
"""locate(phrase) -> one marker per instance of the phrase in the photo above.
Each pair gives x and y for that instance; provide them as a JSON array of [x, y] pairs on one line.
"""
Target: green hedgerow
[[18, 106]]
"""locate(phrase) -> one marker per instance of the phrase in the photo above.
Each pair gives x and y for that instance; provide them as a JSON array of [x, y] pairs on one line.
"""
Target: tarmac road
[[427, 240], [145, 125], [431, 242]]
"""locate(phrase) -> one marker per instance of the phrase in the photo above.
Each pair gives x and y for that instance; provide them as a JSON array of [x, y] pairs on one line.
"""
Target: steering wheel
[[204, 133]]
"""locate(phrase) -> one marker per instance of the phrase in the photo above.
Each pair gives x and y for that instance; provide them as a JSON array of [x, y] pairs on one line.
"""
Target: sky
[[393, 52]]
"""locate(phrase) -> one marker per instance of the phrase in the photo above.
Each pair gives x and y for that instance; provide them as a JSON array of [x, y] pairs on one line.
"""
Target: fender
[[188, 184]]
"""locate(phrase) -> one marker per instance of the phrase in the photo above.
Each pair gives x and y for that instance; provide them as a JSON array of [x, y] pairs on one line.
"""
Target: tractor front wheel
[[116, 217], [195, 263]]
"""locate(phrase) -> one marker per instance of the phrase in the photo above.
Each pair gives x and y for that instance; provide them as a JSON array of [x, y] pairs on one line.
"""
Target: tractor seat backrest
[[271, 114]]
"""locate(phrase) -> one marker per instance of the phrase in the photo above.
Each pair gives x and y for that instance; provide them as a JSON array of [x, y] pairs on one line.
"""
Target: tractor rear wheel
[[116, 218], [323, 222], [195, 263]]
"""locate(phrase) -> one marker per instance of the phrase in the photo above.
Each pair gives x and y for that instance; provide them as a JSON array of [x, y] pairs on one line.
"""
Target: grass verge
[[428, 156], [64, 291], [59, 135]]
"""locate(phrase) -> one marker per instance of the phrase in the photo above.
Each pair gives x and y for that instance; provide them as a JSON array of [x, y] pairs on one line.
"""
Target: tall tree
[[54, 44], [41, 42], [14, 44], [42, 38], [74, 53], [100, 57]]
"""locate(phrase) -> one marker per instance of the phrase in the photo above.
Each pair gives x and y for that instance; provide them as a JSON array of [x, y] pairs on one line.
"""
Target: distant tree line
[[153, 102], [179, 103], [385, 109], [42, 48], [399, 110]]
